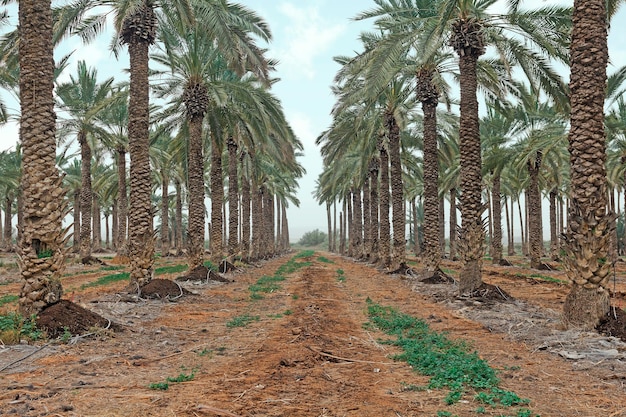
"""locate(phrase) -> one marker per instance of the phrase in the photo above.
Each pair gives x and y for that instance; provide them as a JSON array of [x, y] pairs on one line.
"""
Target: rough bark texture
[[429, 97], [42, 241], [589, 231], [453, 224], [122, 203], [534, 212], [257, 221], [233, 198], [398, 251], [196, 221], [367, 219], [467, 41], [384, 243], [374, 212], [357, 222], [8, 226], [178, 239], [76, 243], [165, 206], [496, 202], [245, 217], [217, 199], [554, 240], [86, 196], [268, 222], [139, 33], [96, 224]]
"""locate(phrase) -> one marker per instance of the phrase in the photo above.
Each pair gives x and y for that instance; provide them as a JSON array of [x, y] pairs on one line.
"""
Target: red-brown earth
[[303, 349]]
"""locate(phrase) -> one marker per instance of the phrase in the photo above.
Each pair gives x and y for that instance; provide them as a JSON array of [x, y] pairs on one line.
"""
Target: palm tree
[[589, 225], [41, 248], [10, 172], [536, 34], [82, 98], [114, 120]]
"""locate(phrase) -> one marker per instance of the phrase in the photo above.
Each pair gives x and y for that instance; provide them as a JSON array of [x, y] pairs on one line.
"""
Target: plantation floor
[[303, 349]]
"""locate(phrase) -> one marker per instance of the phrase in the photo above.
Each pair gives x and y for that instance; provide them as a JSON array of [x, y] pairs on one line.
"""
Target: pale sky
[[307, 35]]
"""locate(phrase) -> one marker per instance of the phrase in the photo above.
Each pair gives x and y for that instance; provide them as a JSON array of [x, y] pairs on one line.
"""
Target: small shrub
[[313, 238]]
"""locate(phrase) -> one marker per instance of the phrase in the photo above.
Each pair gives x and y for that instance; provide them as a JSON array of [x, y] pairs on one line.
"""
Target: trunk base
[[584, 308]]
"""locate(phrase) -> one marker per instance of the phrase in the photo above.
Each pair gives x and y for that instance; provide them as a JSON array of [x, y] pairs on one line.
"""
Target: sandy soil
[[305, 350]]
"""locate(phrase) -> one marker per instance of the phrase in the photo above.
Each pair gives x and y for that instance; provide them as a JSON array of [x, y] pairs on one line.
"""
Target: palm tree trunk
[[453, 224], [140, 232], [165, 210], [533, 203], [384, 251], [285, 229], [195, 186], [471, 245], [233, 198], [432, 225], [398, 252], [76, 243], [96, 228], [367, 219], [41, 244], [349, 227], [374, 211], [334, 248], [217, 199], [357, 221], [257, 221], [114, 225], [496, 239], [589, 232], [86, 198], [509, 228], [554, 242], [329, 227], [268, 210], [8, 225], [245, 217], [179, 217], [122, 203], [521, 225]]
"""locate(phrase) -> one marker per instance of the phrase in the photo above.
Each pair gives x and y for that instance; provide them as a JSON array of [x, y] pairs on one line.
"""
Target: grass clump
[[341, 277], [450, 364], [14, 327], [107, 279], [170, 269], [182, 377], [269, 284], [324, 260], [8, 299], [242, 321], [547, 278]]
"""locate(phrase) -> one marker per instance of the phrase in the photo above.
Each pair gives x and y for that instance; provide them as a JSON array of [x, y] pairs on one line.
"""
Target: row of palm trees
[[418, 50], [212, 83]]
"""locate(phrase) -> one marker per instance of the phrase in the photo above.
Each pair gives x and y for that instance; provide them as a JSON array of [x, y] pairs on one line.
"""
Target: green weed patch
[[8, 299], [242, 321], [450, 364], [107, 279]]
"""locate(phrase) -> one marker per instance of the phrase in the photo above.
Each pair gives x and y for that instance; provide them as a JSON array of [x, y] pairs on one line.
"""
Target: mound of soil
[[614, 324], [92, 260], [438, 277], [163, 289], [202, 273], [66, 315]]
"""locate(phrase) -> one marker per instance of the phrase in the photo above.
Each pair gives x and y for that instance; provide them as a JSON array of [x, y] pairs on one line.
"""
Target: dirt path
[[303, 352]]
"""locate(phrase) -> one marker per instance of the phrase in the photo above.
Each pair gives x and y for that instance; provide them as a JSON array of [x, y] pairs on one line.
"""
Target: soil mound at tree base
[[614, 324], [438, 277], [68, 316], [163, 289], [202, 273]]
